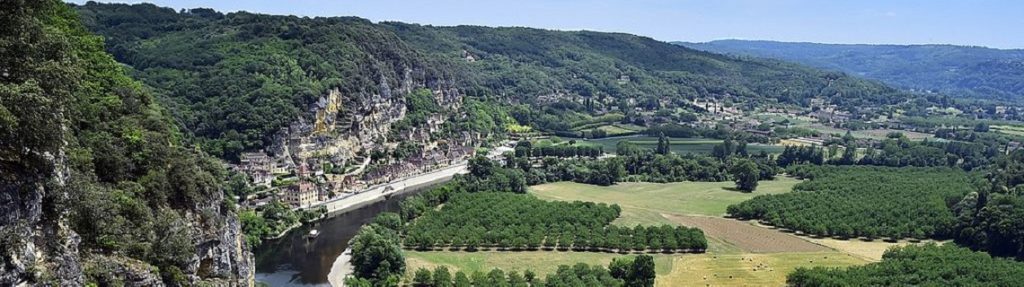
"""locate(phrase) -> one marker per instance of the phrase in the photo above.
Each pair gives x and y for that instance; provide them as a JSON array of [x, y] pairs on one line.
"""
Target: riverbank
[[340, 269], [381, 192]]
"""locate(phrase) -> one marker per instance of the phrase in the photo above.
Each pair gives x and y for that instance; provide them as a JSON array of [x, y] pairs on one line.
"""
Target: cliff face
[[36, 239], [95, 187], [222, 256]]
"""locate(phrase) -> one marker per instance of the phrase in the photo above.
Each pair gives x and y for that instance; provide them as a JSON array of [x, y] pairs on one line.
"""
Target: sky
[[990, 23]]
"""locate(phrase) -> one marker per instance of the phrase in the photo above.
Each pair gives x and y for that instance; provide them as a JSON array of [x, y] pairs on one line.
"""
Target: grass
[[877, 134], [1010, 130], [615, 130], [746, 269], [671, 269], [678, 145], [643, 203]]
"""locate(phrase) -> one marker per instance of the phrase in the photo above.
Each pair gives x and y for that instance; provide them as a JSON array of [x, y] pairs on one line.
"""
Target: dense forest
[[927, 265], [233, 80], [992, 218], [960, 70], [96, 185], [871, 202]]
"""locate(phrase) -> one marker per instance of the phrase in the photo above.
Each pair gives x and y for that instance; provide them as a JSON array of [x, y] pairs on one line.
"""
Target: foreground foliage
[[107, 160]]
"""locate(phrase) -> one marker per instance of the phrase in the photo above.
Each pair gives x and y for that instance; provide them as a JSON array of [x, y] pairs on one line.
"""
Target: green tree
[[745, 173], [664, 146], [422, 278], [529, 275], [443, 278], [389, 220], [376, 254], [641, 274], [461, 280]]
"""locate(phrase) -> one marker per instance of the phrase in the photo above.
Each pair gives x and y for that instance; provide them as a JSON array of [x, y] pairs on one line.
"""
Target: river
[[295, 260]]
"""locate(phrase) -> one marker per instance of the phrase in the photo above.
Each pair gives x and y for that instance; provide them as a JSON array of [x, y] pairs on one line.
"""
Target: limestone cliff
[[95, 185]]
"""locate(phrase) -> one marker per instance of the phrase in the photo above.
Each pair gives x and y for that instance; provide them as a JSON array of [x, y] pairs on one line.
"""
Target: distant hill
[[960, 70]]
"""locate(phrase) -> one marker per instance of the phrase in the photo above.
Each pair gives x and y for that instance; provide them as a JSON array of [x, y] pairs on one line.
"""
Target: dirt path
[[746, 236]]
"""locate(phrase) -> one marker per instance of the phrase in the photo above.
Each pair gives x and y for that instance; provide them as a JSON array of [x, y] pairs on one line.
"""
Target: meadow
[[678, 145]]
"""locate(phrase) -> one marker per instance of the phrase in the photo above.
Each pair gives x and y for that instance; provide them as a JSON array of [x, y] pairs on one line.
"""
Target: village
[[330, 157]]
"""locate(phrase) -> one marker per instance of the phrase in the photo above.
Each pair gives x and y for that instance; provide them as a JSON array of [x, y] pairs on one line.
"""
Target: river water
[[295, 260]]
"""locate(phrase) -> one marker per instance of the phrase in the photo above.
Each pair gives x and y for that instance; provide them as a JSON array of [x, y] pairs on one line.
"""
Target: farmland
[[721, 269], [642, 203], [752, 256], [678, 145]]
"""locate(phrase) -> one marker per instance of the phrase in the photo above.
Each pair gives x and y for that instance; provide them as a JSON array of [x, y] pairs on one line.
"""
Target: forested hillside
[[234, 79], [528, 62], [960, 70], [95, 186]]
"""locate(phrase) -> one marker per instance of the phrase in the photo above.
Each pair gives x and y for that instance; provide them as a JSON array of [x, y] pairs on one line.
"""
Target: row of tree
[[621, 272], [863, 201], [638, 164], [526, 149], [898, 151], [522, 222]]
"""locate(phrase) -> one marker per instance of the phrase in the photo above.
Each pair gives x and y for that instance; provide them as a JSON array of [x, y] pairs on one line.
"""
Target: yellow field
[[1010, 130], [746, 269], [643, 203], [541, 262], [730, 269]]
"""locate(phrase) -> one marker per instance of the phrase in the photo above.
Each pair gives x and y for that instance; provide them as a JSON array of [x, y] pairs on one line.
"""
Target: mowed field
[[643, 203], [740, 253], [1010, 130], [877, 134], [677, 145], [716, 269]]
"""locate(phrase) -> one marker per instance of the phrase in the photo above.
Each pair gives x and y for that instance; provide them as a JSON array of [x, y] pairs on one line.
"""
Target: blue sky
[[992, 23]]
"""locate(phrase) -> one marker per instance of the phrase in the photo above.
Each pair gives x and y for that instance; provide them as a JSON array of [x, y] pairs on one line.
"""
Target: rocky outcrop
[[222, 257], [123, 271], [36, 242]]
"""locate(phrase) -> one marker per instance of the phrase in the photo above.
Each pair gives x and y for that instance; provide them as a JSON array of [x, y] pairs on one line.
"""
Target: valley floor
[[740, 253]]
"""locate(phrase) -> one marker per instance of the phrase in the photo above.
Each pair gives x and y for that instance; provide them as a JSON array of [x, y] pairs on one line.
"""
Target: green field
[[620, 129], [679, 145], [643, 203], [1010, 130], [876, 134]]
